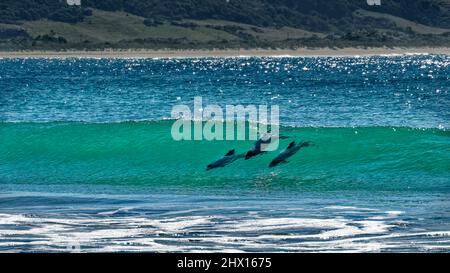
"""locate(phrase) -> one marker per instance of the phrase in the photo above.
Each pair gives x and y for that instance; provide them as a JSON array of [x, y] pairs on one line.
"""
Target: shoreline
[[227, 53]]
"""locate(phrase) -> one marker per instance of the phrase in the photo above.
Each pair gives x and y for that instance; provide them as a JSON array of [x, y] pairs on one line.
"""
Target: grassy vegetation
[[114, 27], [402, 24], [174, 24], [105, 29]]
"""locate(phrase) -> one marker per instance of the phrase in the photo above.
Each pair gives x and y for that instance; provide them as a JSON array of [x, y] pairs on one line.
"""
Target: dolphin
[[229, 158], [256, 149], [291, 150]]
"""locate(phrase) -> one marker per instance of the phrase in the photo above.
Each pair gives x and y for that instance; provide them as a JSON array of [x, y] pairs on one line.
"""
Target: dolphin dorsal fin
[[231, 152], [292, 144]]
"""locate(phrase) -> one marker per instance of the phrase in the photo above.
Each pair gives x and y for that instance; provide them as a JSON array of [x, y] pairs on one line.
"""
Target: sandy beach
[[302, 52]]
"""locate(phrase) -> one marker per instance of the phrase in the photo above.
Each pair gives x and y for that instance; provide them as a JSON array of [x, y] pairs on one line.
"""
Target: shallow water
[[319, 222]]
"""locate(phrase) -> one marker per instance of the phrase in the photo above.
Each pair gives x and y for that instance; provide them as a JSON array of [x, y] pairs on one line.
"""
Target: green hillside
[[192, 24]]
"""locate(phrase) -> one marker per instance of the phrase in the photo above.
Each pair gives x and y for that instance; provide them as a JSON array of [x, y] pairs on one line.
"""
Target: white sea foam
[[253, 232]]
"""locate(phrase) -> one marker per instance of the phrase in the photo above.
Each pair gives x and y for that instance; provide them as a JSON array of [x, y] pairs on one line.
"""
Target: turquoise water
[[144, 153], [87, 159]]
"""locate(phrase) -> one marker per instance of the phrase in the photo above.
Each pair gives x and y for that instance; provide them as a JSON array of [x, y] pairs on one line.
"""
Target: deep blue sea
[[88, 163]]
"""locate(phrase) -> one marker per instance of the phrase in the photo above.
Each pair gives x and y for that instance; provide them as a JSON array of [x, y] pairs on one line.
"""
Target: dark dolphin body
[[288, 152], [256, 149], [229, 158]]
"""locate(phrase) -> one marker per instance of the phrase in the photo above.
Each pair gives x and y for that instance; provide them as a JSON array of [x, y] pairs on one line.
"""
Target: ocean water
[[87, 161]]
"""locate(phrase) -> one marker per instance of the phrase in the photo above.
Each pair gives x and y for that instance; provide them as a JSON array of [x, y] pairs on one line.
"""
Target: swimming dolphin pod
[[231, 156]]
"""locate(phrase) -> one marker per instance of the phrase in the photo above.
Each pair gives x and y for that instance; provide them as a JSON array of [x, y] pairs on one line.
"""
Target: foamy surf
[[213, 233], [212, 226]]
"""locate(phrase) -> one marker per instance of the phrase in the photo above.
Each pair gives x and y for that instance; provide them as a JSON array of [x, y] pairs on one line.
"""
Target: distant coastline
[[169, 53]]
